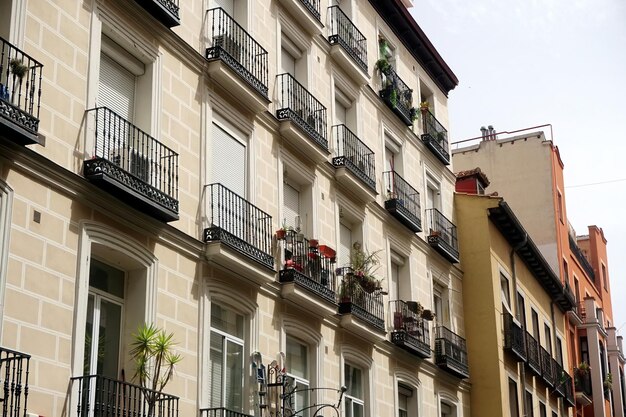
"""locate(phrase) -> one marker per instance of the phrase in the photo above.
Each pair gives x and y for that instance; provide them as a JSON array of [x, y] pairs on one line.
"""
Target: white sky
[[523, 63]]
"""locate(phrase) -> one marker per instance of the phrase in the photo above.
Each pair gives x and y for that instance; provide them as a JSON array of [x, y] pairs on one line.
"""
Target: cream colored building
[[149, 152]]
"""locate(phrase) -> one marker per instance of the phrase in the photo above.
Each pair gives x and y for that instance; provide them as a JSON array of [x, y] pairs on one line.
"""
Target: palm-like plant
[[152, 352]]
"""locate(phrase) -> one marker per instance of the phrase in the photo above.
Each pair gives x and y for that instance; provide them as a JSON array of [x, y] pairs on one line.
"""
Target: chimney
[[483, 131], [491, 133]]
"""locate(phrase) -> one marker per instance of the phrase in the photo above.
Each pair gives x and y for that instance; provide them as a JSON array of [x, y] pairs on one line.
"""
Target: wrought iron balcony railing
[[310, 265], [221, 412], [355, 299], [99, 396], [560, 378], [402, 201], [239, 224], [236, 48], [410, 331], [582, 381], [581, 258], [435, 136], [20, 93], [397, 95], [14, 369], [313, 6], [166, 11], [354, 155], [451, 352], [570, 400], [129, 157], [295, 103], [547, 367], [442, 235], [532, 354], [346, 34], [514, 340]]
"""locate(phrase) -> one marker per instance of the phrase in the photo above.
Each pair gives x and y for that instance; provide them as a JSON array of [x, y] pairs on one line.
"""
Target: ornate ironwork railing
[[99, 396], [444, 229], [582, 259], [134, 158], [313, 6], [402, 200], [354, 299], [569, 390], [435, 136], [397, 95], [221, 412], [409, 329], [295, 103], [20, 87], [532, 353], [310, 265], [354, 155], [547, 368], [14, 369], [233, 220], [582, 381], [346, 34], [235, 47], [559, 377], [451, 351], [514, 337]]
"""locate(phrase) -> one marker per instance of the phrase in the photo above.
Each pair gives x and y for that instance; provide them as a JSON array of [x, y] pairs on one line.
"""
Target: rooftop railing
[[14, 369], [295, 103], [235, 47], [233, 220], [346, 34], [354, 155], [20, 88]]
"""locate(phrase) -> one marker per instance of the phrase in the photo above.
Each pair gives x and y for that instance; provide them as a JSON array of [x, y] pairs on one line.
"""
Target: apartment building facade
[[515, 308], [527, 170], [213, 167]]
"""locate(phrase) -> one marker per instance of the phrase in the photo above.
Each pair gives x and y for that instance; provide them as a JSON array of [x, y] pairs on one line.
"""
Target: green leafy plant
[[152, 350], [364, 266], [383, 65], [18, 68], [393, 97], [608, 381]]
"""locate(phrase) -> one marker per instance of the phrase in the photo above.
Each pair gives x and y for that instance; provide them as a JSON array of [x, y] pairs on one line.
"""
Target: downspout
[[516, 304]]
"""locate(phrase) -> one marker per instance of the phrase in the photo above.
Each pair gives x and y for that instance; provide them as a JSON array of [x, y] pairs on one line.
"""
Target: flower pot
[[428, 315], [314, 243], [280, 234], [299, 237]]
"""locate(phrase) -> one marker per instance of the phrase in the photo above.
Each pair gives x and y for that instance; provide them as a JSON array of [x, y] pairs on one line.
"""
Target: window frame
[[6, 205]]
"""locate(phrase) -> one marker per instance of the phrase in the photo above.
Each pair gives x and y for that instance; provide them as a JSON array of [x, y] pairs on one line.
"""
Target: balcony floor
[[404, 216], [411, 344], [17, 125]]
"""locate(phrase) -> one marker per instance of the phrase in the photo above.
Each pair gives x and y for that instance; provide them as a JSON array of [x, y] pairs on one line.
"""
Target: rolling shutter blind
[[228, 161], [345, 245], [116, 89], [291, 205]]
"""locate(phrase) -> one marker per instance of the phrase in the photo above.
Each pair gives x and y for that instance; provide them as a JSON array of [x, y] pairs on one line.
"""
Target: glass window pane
[[216, 367], [226, 321], [106, 278], [234, 376], [358, 410], [297, 358], [109, 339], [88, 335], [353, 381]]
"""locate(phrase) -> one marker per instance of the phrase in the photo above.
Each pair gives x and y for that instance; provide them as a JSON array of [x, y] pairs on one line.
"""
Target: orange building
[[527, 170]]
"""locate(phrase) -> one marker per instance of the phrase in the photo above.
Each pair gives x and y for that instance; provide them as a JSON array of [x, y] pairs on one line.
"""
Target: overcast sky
[[523, 63]]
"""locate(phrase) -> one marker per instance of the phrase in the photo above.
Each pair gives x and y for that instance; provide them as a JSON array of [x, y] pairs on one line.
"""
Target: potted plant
[[19, 70], [383, 65], [424, 106], [428, 315], [364, 265], [583, 369], [608, 382], [282, 232], [152, 350]]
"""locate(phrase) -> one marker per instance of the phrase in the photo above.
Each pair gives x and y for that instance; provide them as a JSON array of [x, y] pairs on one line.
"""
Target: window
[[577, 290], [530, 412], [226, 358], [559, 350], [521, 310], [548, 338], [291, 206], [565, 272], [395, 285], [297, 199], [297, 361], [542, 410], [513, 400], [605, 281], [345, 244], [345, 111], [440, 304], [293, 59], [393, 155], [406, 406], [559, 202], [353, 380], [6, 197], [386, 50], [228, 160], [427, 95], [447, 410], [535, 318], [505, 293], [433, 192], [584, 350]]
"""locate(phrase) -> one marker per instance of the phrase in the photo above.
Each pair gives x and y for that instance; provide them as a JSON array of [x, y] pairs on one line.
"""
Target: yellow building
[[515, 311]]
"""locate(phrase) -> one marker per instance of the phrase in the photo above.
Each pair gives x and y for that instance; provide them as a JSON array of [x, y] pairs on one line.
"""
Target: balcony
[[303, 119], [165, 11], [582, 386], [435, 137], [410, 331], [354, 164], [581, 258], [239, 234], [99, 396], [308, 276], [402, 201], [348, 45], [532, 354], [560, 377], [237, 61], [307, 13], [442, 235], [450, 352], [221, 412], [133, 166], [547, 367], [397, 96], [20, 93], [357, 301], [570, 400], [514, 341], [14, 367]]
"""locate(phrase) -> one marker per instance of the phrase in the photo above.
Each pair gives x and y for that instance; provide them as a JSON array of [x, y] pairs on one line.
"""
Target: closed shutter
[[116, 89], [345, 245], [291, 198], [287, 62], [228, 161]]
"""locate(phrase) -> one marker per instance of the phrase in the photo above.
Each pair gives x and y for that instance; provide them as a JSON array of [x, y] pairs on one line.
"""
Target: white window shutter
[[116, 89], [228, 161], [291, 203], [345, 245]]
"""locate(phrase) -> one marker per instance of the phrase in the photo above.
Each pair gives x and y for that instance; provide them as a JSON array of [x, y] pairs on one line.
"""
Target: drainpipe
[[515, 303]]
